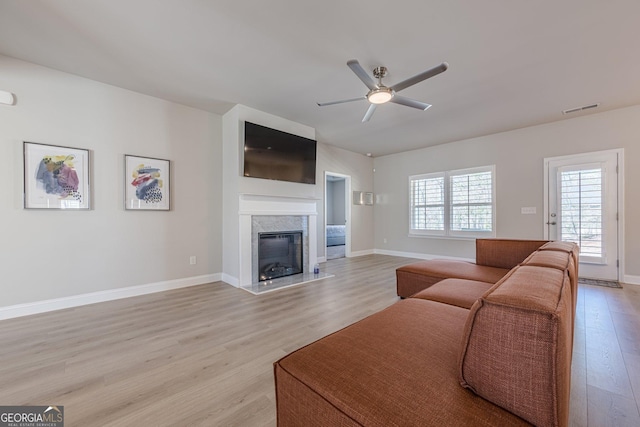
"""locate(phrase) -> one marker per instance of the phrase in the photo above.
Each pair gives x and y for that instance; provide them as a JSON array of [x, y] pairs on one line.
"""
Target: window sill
[[439, 236]]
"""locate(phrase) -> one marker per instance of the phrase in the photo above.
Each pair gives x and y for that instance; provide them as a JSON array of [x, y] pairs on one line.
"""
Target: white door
[[582, 207]]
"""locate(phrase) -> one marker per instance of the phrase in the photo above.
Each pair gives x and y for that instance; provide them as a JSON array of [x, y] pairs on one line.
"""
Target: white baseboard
[[322, 259], [420, 255], [631, 280], [37, 307], [361, 253], [233, 281]]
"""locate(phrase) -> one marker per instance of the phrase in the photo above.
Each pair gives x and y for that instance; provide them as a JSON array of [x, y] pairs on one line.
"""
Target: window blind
[[581, 213]]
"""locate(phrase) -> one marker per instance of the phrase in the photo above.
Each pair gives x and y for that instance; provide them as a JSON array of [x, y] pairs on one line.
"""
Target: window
[[454, 203], [427, 203]]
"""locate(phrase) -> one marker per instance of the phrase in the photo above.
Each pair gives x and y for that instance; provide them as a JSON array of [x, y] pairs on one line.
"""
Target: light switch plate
[[528, 210]]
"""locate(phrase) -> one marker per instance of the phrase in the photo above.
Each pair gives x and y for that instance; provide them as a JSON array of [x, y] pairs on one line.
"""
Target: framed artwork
[[368, 198], [362, 198], [147, 183], [358, 198], [55, 177]]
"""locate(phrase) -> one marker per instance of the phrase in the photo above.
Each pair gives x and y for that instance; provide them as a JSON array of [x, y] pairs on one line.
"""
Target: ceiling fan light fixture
[[380, 95]]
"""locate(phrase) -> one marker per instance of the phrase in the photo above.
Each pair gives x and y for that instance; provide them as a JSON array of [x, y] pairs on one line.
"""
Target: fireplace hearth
[[279, 254]]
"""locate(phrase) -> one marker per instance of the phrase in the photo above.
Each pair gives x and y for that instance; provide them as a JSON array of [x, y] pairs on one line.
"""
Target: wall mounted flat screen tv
[[273, 154]]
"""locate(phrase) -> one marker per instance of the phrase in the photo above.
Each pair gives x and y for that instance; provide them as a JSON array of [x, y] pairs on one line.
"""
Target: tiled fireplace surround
[[260, 213]]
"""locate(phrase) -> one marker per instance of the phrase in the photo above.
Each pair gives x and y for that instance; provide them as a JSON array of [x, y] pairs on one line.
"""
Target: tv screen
[[273, 154]]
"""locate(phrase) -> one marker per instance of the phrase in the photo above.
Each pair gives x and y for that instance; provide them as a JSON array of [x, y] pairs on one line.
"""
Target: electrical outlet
[[384, 240], [192, 260]]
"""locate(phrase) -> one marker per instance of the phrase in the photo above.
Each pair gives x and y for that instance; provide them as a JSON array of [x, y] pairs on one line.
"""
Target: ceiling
[[512, 64]]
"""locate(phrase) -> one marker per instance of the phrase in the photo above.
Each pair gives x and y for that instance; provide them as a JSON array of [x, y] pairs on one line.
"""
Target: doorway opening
[[337, 212]]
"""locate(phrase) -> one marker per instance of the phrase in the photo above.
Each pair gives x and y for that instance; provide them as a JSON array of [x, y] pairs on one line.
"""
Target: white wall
[[360, 169], [47, 254], [329, 192], [518, 156]]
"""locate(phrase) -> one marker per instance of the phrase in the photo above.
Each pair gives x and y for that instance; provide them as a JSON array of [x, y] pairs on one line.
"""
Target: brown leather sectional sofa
[[462, 352]]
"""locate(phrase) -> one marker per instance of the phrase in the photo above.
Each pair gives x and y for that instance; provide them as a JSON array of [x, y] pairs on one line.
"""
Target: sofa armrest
[[517, 345], [505, 253]]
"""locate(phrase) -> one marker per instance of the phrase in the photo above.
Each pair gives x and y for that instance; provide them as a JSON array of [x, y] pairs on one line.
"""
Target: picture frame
[[55, 177], [358, 198], [147, 182], [368, 198], [363, 198]]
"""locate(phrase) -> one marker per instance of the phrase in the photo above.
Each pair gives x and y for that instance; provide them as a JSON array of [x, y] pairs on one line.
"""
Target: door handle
[[551, 223]]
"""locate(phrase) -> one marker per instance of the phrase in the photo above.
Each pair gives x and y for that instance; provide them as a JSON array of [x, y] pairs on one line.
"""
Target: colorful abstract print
[[148, 184], [58, 176]]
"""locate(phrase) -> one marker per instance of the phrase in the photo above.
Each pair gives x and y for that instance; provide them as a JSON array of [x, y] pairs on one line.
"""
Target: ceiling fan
[[380, 94]]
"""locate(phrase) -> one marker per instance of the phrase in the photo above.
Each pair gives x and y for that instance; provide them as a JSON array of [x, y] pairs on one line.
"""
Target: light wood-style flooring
[[202, 356]]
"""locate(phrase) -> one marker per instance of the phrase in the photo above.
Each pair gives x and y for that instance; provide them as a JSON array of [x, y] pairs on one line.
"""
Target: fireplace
[[273, 214], [279, 254]]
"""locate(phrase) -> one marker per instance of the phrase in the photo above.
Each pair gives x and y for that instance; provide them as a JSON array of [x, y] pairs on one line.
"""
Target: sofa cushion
[[420, 275], [504, 253], [560, 259], [397, 367], [549, 258], [558, 246], [567, 247], [459, 292], [517, 345], [561, 255]]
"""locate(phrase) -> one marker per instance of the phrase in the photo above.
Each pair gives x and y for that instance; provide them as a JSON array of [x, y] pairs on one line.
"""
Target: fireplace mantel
[[259, 204], [271, 197]]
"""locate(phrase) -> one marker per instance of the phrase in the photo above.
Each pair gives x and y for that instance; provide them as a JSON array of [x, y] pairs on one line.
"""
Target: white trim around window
[[455, 204]]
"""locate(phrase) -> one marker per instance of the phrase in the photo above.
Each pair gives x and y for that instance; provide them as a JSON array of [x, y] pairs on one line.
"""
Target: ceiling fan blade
[[369, 113], [397, 99], [420, 77], [322, 104], [362, 74]]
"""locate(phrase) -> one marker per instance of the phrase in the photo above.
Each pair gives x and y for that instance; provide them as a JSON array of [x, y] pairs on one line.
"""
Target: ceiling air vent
[[586, 107]]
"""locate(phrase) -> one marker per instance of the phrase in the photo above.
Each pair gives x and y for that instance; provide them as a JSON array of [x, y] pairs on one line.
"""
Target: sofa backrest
[[517, 344], [504, 253]]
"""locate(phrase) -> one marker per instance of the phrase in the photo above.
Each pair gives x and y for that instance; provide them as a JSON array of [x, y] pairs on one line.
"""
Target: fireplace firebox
[[279, 254]]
